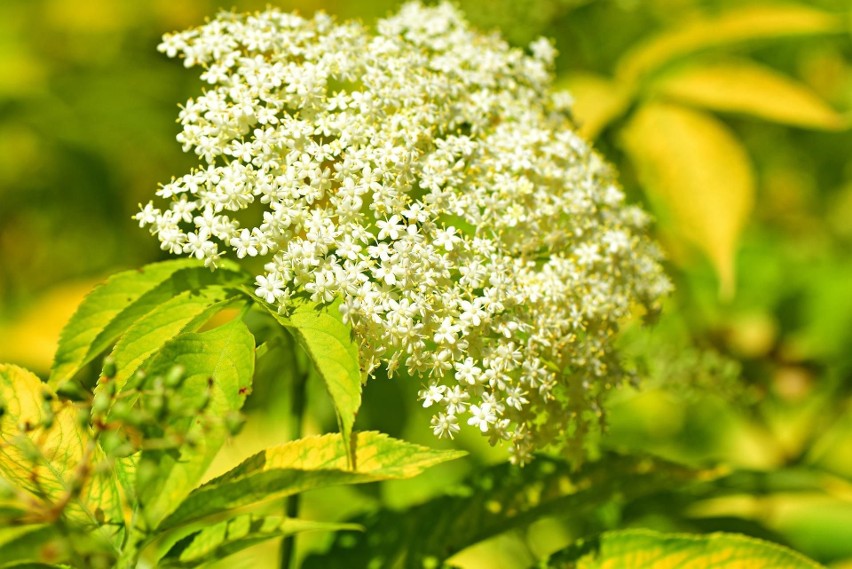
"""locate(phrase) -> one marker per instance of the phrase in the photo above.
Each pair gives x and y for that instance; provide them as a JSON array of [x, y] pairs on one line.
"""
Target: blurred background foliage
[[729, 119]]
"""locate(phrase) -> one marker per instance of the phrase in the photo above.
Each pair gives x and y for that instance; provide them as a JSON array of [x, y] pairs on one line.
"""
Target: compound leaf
[[497, 500], [305, 464], [45, 451]]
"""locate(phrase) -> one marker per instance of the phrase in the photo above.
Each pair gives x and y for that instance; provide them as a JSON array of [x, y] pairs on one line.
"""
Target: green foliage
[[694, 98], [305, 464], [120, 463], [320, 331], [696, 173], [219, 540], [497, 500], [637, 549]]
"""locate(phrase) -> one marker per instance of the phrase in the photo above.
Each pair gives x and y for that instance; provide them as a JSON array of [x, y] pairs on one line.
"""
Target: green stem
[[296, 415]]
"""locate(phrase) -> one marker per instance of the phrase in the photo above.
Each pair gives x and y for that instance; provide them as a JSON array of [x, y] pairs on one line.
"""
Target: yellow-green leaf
[[321, 332], [219, 362], [225, 538], [305, 464], [147, 335], [85, 336], [698, 177], [730, 27], [46, 452], [598, 101], [640, 549], [749, 88]]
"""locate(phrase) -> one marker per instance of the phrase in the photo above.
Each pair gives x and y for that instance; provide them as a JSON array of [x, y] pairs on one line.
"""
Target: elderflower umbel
[[425, 175]]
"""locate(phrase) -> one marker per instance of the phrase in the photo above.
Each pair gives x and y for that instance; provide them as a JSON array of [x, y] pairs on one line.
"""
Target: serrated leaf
[[181, 313], [220, 363], [698, 177], [728, 28], [598, 101], [225, 538], [749, 88], [639, 549], [19, 544], [47, 461], [497, 500], [305, 464], [321, 332], [83, 338]]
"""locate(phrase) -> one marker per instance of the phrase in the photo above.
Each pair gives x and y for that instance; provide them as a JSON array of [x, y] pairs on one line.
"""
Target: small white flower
[[424, 175]]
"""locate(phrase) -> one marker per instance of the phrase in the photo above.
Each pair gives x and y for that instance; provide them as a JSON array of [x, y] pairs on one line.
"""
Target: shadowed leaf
[[219, 540], [499, 499], [25, 543], [218, 364]]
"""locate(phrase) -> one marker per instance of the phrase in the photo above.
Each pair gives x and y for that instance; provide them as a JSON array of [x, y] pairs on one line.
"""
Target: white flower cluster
[[423, 174]]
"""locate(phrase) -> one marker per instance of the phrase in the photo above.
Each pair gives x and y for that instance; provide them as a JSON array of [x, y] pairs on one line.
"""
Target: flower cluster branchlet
[[425, 175]]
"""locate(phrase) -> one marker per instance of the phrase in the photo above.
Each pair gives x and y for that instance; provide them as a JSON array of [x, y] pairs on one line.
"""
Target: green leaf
[[19, 544], [639, 549], [305, 464], [698, 177], [497, 500], [728, 28], [321, 332], [749, 88], [218, 364], [598, 101], [149, 334], [225, 538], [56, 462], [85, 335]]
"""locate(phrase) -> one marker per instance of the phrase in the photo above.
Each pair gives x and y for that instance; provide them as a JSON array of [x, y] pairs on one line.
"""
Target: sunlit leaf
[[320, 330], [305, 464], [218, 364], [640, 549], [86, 335], [730, 27], [698, 177], [497, 500], [598, 101], [46, 452], [182, 313], [749, 88], [225, 538]]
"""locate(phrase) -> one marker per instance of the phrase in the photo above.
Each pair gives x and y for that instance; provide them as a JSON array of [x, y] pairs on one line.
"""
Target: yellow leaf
[[746, 87], [640, 549], [55, 462], [597, 101], [731, 27], [697, 175]]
